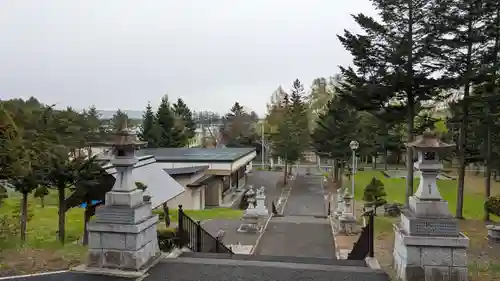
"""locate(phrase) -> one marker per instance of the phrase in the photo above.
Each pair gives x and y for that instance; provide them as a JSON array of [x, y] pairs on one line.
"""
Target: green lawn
[[396, 188], [42, 228]]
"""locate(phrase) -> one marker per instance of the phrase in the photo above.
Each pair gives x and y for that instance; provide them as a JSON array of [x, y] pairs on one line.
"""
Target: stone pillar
[[122, 235], [428, 244]]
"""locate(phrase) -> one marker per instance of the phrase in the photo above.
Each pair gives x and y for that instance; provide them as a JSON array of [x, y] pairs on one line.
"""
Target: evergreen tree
[[375, 194], [391, 60], [284, 141], [334, 130], [298, 115], [168, 134], [492, 97], [92, 127], [185, 119], [120, 119], [149, 130], [462, 37]]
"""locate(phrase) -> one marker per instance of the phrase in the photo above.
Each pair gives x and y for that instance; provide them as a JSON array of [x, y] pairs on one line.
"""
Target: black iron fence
[[364, 247], [193, 236]]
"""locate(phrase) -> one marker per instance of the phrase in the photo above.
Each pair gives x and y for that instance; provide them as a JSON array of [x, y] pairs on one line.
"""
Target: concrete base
[[494, 232], [83, 268], [418, 258], [423, 208], [128, 247], [347, 224]]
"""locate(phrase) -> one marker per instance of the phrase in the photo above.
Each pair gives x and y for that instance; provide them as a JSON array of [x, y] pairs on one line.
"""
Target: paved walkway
[[304, 230]]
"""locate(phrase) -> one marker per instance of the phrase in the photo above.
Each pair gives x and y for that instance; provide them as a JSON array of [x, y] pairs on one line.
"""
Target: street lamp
[[354, 145]]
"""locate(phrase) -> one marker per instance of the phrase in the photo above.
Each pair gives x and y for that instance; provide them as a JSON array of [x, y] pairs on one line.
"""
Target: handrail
[[193, 236], [365, 245]]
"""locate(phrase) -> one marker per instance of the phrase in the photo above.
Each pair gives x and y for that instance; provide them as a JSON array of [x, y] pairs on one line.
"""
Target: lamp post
[[354, 145]]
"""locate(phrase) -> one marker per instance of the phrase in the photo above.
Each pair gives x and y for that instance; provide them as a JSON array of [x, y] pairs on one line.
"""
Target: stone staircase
[[215, 266]]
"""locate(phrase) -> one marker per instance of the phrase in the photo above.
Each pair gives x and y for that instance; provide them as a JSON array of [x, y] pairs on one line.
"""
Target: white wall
[[243, 161]]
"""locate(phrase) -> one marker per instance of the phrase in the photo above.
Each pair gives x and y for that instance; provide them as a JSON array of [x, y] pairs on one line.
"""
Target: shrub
[[167, 238], [493, 205], [375, 193]]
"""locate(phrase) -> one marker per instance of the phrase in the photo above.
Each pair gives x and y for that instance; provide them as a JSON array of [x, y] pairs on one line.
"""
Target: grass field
[[43, 252], [484, 256]]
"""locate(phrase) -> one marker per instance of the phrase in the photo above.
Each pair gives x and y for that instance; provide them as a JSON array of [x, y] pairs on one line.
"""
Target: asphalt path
[[304, 230]]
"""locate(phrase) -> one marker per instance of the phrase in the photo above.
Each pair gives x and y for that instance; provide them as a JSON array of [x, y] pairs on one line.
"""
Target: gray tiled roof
[[196, 154], [185, 170]]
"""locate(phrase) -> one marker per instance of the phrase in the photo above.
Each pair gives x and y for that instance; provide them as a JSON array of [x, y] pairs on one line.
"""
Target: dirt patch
[[26, 260]]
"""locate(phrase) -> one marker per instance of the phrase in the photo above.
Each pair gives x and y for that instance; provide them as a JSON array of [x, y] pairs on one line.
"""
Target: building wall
[[185, 199], [191, 199], [213, 193], [243, 161]]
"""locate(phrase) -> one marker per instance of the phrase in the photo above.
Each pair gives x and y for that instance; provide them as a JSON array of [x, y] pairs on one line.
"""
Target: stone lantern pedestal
[[347, 221], [122, 236], [428, 243]]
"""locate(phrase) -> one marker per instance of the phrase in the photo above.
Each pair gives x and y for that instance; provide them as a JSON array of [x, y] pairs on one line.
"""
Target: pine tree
[[120, 119], [392, 62], [284, 141], [168, 134], [186, 122], [334, 130], [462, 36], [375, 194], [149, 130], [492, 97], [298, 115]]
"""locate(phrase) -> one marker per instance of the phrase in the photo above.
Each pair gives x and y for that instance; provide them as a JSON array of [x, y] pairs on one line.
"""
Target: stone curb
[[257, 242], [332, 225]]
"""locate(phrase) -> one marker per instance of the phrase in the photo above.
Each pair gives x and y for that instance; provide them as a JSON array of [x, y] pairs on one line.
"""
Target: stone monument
[[122, 235], [340, 204], [260, 203], [250, 216], [428, 243], [347, 221]]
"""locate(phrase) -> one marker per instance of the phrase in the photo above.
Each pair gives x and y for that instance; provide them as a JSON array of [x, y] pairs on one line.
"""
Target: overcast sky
[[124, 53]]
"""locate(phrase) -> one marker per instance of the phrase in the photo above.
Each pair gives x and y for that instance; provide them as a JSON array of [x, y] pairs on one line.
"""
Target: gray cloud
[[122, 53]]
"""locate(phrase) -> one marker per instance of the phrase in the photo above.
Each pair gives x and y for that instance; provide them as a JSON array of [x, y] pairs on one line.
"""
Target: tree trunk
[[42, 201], [86, 220], [62, 214], [166, 212], [489, 140], [462, 139], [340, 181], [374, 162], [411, 104], [335, 170], [285, 174], [24, 216], [386, 158], [487, 183]]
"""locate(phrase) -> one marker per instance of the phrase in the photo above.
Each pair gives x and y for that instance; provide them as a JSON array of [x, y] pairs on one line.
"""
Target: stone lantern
[[428, 243], [122, 235]]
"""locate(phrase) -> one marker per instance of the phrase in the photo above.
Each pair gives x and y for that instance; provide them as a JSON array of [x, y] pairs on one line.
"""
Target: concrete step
[[208, 269], [286, 259]]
